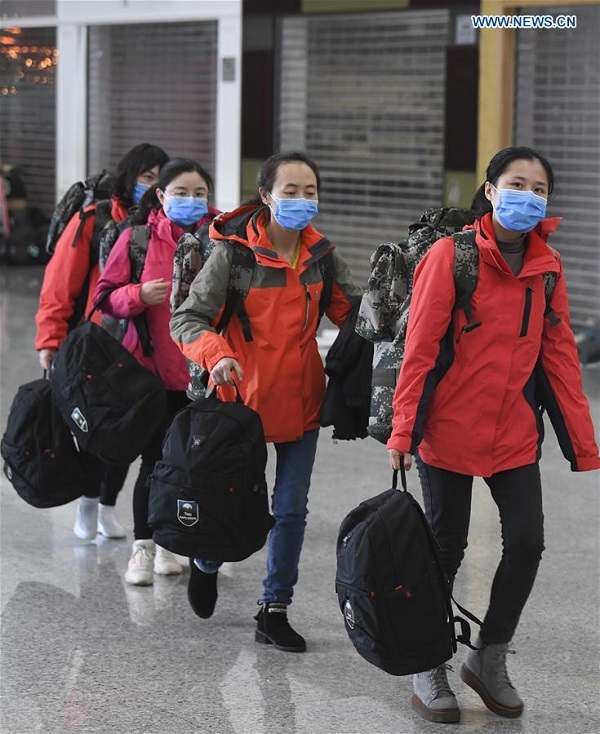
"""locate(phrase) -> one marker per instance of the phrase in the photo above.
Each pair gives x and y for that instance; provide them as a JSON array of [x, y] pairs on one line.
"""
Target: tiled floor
[[83, 652]]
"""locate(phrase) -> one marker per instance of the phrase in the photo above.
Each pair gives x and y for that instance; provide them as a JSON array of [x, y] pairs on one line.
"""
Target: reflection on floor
[[84, 652]]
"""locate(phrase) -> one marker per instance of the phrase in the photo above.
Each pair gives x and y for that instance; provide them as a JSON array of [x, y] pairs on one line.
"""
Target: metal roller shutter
[[558, 113], [152, 83], [28, 110], [364, 96]]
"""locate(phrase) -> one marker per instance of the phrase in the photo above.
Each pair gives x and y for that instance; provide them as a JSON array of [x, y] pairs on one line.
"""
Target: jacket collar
[[539, 256], [247, 225]]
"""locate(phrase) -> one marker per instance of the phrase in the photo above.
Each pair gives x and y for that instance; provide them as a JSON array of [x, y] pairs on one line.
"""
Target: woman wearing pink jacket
[[178, 203]]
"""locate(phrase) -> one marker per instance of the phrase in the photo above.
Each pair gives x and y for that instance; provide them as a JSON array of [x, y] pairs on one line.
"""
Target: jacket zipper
[[526, 312], [308, 300]]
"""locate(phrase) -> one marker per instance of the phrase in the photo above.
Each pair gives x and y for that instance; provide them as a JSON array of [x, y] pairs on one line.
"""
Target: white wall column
[[71, 96], [229, 113]]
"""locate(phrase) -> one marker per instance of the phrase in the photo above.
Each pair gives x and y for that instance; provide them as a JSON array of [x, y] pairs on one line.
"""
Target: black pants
[[176, 399], [518, 496], [111, 478]]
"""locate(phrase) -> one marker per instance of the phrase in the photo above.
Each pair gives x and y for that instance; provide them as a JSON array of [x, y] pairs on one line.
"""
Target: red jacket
[[125, 302], [284, 378], [478, 415], [64, 280]]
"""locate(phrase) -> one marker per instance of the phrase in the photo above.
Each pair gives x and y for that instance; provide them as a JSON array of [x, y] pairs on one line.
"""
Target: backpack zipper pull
[[468, 328]]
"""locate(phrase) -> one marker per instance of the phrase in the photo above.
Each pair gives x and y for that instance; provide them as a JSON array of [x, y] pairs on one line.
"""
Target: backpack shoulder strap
[[240, 278], [102, 214], [550, 279], [466, 270], [138, 249], [327, 268]]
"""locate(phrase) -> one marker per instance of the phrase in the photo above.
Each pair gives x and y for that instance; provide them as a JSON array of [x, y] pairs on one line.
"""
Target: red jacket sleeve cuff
[[398, 443], [586, 463]]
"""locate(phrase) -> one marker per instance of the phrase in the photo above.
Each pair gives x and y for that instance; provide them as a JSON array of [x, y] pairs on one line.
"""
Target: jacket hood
[[233, 225]]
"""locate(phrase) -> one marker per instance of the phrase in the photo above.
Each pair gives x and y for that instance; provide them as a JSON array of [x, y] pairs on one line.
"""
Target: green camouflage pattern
[[192, 251], [385, 305], [138, 247]]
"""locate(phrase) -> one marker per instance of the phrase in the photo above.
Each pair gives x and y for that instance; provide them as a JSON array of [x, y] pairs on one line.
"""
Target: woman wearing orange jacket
[[69, 281], [481, 414], [280, 372]]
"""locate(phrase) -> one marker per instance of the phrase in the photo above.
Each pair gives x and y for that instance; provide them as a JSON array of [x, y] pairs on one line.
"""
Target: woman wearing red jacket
[[481, 415], [178, 203], [69, 281]]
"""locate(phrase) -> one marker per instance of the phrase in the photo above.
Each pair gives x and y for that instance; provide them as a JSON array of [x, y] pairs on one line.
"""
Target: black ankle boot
[[274, 629], [202, 591]]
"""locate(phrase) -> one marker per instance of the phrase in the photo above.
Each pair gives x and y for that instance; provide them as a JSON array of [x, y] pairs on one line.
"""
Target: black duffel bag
[[109, 401], [208, 494]]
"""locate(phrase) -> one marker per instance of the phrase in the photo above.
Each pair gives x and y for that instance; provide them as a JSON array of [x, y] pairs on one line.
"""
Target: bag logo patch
[[349, 614], [79, 419], [188, 512]]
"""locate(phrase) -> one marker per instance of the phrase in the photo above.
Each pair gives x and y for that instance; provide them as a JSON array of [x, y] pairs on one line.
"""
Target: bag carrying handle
[[402, 476], [212, 393]]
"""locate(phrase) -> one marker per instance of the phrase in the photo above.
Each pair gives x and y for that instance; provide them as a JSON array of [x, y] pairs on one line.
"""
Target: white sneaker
[[139, 569], [86, 518], [165, 563], [108, 524]]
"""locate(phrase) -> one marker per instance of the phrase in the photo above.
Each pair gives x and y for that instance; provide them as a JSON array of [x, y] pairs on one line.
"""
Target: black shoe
[[274, 629], [202, 591]]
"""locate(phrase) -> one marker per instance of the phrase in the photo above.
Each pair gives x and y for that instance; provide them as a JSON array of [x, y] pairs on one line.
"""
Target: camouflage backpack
[[385, 305], [78, 200], [193, 250], [138, 248]]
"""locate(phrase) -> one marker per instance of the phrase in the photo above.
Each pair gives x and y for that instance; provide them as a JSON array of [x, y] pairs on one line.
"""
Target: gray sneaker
[[485, 672], [433, 698]]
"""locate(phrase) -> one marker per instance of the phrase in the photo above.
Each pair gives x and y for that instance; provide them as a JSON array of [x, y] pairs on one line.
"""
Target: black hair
[[172, 169], [143, 157], [481, 204], [268, 172]]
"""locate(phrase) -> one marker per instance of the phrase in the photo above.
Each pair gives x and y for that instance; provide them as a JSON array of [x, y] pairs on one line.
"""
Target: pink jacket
[[124, 302]]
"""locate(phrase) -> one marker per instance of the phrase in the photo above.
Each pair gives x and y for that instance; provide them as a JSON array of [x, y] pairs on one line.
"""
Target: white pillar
[[71, 95], [229, 110]]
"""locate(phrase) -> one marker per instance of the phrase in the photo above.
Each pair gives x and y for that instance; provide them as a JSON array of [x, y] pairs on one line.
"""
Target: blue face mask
[[294, 213], [185, 210], [138, 191], [519, 211]]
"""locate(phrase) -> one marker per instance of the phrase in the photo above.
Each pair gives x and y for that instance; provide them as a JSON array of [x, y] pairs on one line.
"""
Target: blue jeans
[[289, 506]]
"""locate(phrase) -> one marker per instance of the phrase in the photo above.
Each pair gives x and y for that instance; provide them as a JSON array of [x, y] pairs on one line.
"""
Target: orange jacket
[[469, 399], [284, 379], [65, 278]]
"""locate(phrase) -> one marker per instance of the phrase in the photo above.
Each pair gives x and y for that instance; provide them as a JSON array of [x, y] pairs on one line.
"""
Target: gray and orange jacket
[[284, 379], [469, 399]]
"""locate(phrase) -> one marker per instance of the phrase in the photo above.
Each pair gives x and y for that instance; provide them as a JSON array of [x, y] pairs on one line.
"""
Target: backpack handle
[[402, 477], [212, 393]]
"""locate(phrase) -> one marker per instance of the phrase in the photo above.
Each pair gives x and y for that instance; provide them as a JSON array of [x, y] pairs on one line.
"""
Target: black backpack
[[385, 305], [391, 589], [109, 401], [208, 494], [41, 459], [79, 197]]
